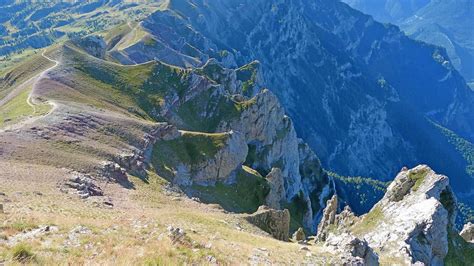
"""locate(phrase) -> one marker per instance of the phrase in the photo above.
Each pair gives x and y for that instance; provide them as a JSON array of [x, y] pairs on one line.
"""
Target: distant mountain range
[[447, 23]]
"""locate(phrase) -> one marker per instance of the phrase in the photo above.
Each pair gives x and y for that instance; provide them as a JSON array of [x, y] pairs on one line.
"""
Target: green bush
[[22, 253]]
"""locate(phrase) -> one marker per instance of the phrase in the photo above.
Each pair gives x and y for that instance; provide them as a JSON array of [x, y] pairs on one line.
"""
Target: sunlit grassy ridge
[[138, 89]]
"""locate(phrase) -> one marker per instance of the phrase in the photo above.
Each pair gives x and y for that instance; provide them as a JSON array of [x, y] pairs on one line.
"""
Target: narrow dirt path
[[29, 100], [39, 77]]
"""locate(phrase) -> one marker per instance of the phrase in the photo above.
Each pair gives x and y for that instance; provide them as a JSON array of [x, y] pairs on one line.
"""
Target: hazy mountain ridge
[[445, 23]]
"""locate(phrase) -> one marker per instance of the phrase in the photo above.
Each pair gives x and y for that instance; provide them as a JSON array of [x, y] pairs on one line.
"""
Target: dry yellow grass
[[134, 231]]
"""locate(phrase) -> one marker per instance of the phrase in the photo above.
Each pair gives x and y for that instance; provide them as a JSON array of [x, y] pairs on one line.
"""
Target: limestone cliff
[[413, 223]]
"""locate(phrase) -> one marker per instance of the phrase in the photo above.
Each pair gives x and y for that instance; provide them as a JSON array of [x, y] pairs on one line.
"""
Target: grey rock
[[274, 222], [328, 219], [353, 250], [83, 185], [467, 232], [277, 192], [176, 235], [411, 222]]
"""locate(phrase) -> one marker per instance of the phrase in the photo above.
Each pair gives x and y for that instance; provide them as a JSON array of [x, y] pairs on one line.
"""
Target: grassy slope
[[245, 195], [134, 232], [138, 89], [17, 109], [21, 72], [192, 148]]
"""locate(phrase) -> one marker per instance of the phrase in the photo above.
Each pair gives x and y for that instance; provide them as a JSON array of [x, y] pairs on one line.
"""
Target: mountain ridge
[[367, 114]]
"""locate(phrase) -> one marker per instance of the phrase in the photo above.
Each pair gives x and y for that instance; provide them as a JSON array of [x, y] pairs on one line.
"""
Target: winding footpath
[[16, 91], [40, 76]]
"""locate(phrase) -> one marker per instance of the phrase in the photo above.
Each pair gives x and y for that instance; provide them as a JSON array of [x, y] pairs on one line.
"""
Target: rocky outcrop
[[328, 219], [411, 222], [274, 147], [299, 235], [271, 133], [93, 44], [137, 160], [83, 185], [352, 250], [219, 167], [274, 222], [467, 232]]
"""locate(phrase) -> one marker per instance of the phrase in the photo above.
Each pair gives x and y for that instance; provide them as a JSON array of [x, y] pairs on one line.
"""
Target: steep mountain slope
[[364, 96], [217, 140], [444, 23]]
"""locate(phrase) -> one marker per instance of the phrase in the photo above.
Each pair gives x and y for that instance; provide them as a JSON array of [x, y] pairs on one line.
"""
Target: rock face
[[231, 102], [468, 232], [93, 44], [328, 219], [274, 222], [411, 222], [226, 160]]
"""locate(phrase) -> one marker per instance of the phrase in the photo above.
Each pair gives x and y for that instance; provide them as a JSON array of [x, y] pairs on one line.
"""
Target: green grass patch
[[248, 75], [245, 196], [369, 221], [17, 108], [20, 226], [217, 108], [417, 177], [191, 148], [22, 71], [139, 89], [23, 253]]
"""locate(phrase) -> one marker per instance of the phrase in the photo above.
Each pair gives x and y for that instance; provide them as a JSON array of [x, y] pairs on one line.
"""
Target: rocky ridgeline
[[258, 134], [410, 225]]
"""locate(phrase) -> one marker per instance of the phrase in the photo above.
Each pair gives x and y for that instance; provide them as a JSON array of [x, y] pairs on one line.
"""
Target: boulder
[[468, 232], [328, 220], [299, 235], [274, 222]]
